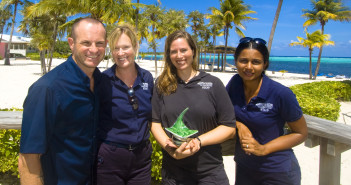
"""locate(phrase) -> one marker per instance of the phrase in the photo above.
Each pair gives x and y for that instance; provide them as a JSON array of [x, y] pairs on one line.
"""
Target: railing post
[[330, 161]]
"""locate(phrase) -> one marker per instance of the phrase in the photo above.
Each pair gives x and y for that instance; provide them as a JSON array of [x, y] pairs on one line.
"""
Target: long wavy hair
[[167, 81]]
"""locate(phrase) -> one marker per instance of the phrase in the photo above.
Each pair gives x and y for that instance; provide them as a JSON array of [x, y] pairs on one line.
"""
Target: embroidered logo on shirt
[[205, 85], [145, 86], [264, 107]]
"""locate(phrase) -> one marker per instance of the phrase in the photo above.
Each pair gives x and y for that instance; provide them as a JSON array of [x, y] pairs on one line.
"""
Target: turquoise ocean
[[296, 64]]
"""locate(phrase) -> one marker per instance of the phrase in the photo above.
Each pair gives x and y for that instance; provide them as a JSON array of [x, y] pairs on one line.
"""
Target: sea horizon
[[330, 66]]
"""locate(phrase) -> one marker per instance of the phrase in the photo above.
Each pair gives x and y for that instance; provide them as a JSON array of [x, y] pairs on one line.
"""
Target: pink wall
[[2, 49]]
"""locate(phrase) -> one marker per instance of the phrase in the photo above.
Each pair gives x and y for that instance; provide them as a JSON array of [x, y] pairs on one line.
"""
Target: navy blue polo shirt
[[118, 121], [265, 115], [59, 119]]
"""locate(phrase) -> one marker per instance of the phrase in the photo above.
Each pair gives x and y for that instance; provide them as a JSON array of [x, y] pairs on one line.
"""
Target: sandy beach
[[17, 78]]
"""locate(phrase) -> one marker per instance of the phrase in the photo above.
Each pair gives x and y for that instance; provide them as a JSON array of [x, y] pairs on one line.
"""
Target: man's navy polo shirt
[[118, 121], [265, 115], [59, 120]]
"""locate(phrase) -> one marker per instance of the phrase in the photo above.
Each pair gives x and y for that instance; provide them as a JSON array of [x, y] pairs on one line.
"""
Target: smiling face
[[88, 45], [123, 53], [181, 55], [250, 64]]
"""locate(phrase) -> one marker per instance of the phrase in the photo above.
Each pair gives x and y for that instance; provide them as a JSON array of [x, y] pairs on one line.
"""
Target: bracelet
[[199, 140]]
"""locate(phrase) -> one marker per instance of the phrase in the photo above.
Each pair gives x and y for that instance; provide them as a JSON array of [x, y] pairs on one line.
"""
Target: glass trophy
[[180, 132]]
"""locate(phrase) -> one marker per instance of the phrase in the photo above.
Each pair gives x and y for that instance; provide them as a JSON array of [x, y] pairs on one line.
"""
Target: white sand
[[17, 78]]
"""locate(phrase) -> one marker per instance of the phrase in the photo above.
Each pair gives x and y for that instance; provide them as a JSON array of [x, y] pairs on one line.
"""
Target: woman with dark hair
[[182, 87], [262, 106]]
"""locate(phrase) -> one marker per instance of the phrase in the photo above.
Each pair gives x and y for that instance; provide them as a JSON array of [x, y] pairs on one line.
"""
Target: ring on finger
[[247, 146]]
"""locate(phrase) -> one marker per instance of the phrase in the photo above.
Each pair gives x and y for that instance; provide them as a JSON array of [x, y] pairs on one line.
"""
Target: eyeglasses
[[132, 99], [256, 40]]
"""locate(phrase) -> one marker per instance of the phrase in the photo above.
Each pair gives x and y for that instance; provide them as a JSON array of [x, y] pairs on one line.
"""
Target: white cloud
[[221, 43], [350, 41]]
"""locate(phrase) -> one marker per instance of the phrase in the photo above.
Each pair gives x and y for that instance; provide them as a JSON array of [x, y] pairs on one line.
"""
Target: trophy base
[[178, 140]]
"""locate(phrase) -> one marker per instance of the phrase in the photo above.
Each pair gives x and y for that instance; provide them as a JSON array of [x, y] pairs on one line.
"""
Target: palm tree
[[232, 11], [315, 39], [56, 16], [152, 27], [197, 24], [40, 30], [5, 15], [274, 25], [137, 14], [4, 4], [205, 34], [216, 26], [323, 11], [175, 20]]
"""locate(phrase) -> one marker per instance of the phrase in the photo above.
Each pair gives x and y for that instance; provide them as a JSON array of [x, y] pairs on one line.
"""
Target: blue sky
[[288, 28]]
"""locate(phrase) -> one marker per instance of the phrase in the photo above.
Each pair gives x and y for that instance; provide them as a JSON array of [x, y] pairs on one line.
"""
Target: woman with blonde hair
[[181, 86], [124, 155]]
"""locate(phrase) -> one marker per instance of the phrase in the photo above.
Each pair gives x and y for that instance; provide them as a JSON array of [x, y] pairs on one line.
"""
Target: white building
[[19, 44]]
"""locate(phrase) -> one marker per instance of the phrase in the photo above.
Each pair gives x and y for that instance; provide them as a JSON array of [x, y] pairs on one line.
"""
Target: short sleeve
[[224, 107], [38, 120], [290, 109]]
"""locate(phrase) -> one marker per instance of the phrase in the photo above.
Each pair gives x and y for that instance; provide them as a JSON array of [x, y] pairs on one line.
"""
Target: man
[[61, 113]]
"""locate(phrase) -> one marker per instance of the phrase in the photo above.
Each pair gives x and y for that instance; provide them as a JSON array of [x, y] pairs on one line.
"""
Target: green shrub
[[156, 158], [1, 57], [320, 99], [33, 56], [9, 150]]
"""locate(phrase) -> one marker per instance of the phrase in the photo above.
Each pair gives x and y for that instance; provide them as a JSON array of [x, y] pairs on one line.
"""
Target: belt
[[130, 147]]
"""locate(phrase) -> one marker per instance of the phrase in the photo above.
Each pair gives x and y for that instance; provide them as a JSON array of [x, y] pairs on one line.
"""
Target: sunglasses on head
[[132, 99], [256, 40]]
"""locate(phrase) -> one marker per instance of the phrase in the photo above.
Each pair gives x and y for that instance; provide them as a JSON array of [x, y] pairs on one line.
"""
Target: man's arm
[[29, 167]]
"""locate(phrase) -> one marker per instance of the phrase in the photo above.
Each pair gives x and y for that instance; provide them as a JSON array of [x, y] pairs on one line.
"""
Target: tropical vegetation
[[323, 11], [315, 39], [321, 99], [232, 12], [8, 4]]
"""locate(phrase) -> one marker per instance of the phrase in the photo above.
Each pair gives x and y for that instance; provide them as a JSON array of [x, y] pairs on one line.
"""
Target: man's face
[[88, 48]]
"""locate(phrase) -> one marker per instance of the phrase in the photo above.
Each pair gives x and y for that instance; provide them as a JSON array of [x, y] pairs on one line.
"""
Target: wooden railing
[[333, 138], [10, 119]]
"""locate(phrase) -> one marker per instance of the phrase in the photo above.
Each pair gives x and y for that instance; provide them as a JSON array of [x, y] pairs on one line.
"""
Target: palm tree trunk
[[319, 57], [225, 48], [7, 53], [318, 63], [214, 52], [1, 38], [274, 25], [310, 71], [136, 17], [153, 32], [206, 56], [42, 62], [53, 45]]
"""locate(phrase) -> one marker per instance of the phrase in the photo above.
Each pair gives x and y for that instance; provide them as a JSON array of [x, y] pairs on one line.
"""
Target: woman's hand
[[186, 149], [251, 146], [243, 131]]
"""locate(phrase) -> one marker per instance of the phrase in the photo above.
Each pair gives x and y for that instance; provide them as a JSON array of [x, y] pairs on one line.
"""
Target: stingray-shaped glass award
[[180, 131]]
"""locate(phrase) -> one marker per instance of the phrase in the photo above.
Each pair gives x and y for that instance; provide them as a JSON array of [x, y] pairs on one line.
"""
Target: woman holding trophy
[[192, 106]]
